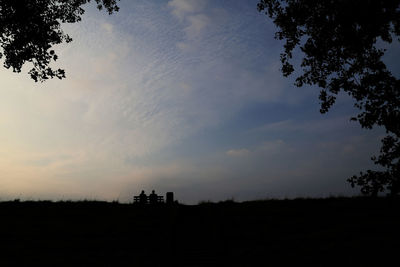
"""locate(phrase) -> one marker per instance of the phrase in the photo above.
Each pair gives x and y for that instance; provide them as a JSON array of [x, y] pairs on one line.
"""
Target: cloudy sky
[[183, 96]]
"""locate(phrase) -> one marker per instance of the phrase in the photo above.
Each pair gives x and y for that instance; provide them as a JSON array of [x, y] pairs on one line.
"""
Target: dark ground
[[310, 232]]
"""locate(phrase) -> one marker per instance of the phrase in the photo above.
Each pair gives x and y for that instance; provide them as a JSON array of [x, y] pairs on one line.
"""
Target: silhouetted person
[[153, 198], [142, 198]]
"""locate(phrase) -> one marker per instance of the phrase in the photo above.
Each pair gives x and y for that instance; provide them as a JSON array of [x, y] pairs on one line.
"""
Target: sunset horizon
[[176, 96]]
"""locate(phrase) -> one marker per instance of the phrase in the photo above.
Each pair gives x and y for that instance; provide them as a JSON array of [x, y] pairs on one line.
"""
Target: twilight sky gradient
[[183, 96]]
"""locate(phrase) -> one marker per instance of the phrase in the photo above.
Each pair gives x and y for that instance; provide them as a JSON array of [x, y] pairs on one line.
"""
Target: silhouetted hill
[[312, 232]]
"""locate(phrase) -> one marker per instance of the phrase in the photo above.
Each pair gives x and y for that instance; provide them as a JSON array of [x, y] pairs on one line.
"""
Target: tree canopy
[[30, 28], [339, 41]]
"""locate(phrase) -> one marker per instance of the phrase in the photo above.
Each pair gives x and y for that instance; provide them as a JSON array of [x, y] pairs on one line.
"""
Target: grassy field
[[312, 232]]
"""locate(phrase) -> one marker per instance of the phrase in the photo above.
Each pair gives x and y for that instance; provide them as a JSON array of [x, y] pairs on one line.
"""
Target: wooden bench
[[136, 199]]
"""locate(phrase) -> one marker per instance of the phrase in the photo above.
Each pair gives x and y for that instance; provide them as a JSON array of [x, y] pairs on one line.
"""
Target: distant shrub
[[205, 202], [227, 201]]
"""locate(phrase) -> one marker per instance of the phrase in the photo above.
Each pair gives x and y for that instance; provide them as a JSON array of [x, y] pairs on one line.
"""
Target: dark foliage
[[29, 29], [338, 39]]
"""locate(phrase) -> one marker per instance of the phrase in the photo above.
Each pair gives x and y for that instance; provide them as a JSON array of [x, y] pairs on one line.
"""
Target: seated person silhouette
[[142, 198], [153, 198]]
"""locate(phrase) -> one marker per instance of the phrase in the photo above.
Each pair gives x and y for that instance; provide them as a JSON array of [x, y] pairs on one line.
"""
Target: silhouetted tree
[[338, 41], [29, 29]]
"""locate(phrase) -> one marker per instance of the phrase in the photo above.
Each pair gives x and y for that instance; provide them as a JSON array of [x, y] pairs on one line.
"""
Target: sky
[[183, 96]]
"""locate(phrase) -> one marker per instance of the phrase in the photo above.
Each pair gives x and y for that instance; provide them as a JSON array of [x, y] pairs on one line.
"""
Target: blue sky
[[183, 96]]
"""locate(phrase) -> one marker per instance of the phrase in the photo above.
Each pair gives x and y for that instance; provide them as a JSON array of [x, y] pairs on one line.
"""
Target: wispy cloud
[[237, 152], [195, 18], [108, 27], [197, 24], [183, 8]]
